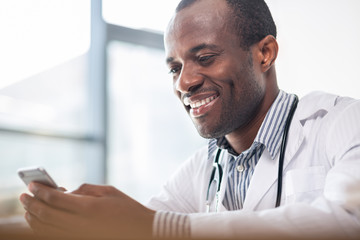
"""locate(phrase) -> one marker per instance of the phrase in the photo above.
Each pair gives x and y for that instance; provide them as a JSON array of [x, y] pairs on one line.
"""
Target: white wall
[[319, 45]]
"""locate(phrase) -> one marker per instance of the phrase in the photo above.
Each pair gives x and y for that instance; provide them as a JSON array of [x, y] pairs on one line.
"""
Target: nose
[[188, 80]]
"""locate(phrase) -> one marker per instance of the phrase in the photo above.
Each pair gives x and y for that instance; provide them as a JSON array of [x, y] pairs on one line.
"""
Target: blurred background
[[85, 93]]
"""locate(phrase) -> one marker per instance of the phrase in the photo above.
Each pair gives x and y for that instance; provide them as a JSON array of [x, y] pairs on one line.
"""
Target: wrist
[[171, 225]]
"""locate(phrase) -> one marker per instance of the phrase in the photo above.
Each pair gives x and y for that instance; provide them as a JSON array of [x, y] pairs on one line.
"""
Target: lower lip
[[198, 112]]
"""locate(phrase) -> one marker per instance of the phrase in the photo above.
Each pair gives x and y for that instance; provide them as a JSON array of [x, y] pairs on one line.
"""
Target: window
[[44, 65], [45, 113]]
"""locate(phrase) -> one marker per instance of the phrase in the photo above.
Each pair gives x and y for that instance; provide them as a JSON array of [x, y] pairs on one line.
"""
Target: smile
[[199, 103]]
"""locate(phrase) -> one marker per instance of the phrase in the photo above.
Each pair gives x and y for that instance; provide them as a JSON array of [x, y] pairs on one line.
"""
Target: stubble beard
[[235, 117]]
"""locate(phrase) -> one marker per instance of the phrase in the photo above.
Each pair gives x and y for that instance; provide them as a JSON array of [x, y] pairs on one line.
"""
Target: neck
[[242, 138]]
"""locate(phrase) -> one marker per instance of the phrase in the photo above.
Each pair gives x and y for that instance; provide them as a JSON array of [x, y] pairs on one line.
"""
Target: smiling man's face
[[212, 75]]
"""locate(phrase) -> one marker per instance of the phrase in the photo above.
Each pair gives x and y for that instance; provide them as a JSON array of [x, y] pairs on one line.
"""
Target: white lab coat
[[322, 161]]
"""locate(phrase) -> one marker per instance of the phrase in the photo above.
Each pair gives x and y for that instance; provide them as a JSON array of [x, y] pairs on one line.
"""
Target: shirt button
[[240, 168]]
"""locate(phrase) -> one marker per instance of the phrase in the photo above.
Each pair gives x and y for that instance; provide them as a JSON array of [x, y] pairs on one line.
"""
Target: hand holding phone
[[36, 174]]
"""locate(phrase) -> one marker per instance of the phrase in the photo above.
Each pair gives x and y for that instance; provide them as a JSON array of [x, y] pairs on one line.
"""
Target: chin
[[209, 132], [208, 127]]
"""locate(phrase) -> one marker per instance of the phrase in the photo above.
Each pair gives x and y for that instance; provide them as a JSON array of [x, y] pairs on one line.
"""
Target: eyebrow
[[203, 46], [197, 49]]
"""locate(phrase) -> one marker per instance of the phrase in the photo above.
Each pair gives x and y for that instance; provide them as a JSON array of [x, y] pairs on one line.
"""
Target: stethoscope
[[217, 171]]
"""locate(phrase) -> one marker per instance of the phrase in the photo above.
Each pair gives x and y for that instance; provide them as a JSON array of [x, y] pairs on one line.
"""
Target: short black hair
[[251, 20]]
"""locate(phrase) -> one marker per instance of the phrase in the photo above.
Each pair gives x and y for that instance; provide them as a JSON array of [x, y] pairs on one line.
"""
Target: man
[[221, 55]]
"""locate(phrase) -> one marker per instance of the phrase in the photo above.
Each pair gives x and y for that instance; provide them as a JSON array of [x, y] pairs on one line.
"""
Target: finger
[[41, 228], [22, 199], [47, 231], [57, 199], [57, 219], [96, 190]]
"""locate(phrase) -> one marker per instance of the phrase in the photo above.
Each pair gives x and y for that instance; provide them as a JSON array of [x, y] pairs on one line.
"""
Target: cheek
[[223, 69], [232, 79], [223, 76]]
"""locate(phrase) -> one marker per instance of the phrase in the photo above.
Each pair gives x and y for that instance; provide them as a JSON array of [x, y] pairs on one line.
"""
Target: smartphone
[[36, 174]]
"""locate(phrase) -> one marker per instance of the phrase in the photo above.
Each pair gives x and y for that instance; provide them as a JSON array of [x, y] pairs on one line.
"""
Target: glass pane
[[54, 100], [44, 64], [150, 133], [67, 161], [139, 14]]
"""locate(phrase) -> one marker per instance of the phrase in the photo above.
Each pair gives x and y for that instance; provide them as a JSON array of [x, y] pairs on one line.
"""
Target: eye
[[174, 70], [206, 60]]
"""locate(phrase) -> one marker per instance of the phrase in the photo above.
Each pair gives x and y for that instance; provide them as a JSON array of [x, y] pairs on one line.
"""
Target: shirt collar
[[272, 128]]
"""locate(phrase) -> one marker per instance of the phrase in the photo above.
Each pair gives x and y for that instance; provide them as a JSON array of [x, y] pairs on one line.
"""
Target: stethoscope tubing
[[282, 151]]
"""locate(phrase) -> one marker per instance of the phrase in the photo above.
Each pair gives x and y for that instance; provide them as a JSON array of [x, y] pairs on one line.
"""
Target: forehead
[[204, 21]]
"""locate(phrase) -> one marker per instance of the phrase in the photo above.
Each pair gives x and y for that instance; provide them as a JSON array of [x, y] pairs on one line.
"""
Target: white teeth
[[199, 103], [186, 102]]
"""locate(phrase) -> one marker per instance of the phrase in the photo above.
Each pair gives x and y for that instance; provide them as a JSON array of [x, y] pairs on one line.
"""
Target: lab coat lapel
[[295, 139], [264, 176], [266, 170]]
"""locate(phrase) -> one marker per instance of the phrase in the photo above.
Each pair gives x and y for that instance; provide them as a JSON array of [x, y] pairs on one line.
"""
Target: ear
[[268, 50]]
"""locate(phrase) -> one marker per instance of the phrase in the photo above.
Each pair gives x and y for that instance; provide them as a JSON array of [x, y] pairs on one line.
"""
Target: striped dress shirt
[[240, 169]]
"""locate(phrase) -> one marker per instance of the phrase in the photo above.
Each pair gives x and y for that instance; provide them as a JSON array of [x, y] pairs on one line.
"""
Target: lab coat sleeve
[[296, 220], [181, 192], [335, 214]]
